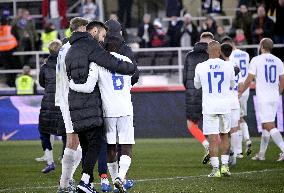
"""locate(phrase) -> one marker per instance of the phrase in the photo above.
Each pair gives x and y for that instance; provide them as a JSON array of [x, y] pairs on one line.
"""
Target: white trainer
[[258, 157], [281, 157]]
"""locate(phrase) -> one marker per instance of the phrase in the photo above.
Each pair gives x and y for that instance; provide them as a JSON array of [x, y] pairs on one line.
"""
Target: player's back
[[216, 76], [115, 90], [62, 84], [241, 59], [267, 68]]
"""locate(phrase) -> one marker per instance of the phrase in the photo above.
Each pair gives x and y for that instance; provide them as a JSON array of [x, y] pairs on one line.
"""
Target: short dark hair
[[226, 49], [266, 44], [77, 22], [113, 44], [97, 24], [207, 35]]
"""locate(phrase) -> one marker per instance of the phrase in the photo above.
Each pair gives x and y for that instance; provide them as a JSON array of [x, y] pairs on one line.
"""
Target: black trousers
[[90, 142]]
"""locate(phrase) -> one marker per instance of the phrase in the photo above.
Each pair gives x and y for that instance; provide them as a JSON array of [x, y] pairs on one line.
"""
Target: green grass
[[174, 165]]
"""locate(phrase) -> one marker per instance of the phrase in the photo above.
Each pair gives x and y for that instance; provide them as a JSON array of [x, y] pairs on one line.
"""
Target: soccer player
[[194, 96], [73, 152], [268, 72], [226, 50], [241, 59], [118, 120], [85, 109], [216, 77]]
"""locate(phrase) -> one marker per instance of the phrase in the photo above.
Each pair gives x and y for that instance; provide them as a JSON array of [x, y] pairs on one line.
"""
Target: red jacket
[[62, 7]]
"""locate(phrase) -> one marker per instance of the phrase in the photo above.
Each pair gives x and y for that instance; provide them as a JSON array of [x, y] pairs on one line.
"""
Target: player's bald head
[[266, 45], [214, 49]]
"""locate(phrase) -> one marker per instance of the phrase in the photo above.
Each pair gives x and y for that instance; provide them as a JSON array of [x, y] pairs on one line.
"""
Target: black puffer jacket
[[50, 117], [193, 96], [86, 109]]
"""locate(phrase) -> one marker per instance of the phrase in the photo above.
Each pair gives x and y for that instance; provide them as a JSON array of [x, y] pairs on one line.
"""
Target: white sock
[[240, 142], [244, 128], [49, 156], [214, 162], [277, 138], [77, 160], [225, 159], [234, 142], [265, 136], [205, 144], [67, 166], [113, 170], [85, 178], [124, 164]]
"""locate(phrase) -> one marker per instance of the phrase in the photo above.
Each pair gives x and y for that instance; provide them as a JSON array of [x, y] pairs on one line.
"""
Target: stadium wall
[[159, 112]]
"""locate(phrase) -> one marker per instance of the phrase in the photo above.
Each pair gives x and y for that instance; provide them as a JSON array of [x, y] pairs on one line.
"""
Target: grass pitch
[[158, 166]]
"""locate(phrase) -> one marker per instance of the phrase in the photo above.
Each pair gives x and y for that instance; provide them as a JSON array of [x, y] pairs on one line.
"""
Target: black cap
[[225, 39], [114, 29]]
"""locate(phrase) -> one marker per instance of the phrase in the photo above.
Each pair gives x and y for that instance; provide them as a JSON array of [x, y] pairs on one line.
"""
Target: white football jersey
[[267, 68], [62, 83], [216, 77], [115, 91], [235, 104], [241, 59]]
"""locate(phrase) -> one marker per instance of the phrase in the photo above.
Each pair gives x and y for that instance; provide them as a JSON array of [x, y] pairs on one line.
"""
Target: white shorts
[[235, 117], [267, 111], [67, 118], [215, 124], [119, 130], [243, 105]]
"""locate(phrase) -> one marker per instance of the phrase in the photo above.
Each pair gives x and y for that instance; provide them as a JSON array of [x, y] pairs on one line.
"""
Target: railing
[[178, 66]]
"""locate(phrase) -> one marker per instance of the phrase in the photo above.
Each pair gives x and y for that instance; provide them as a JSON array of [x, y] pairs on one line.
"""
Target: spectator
[[243, 21], [173, 32], [220, 33], [209, 25], [25, 83], [113, 16], [212, 6], [262, 26], [54, 11], [124, 8], [240, 38], [90, 10], [24, 30], [144, 31], [8, 45], [188, 34], [48, 35], [173, 8], [158, 37], [279, 27]]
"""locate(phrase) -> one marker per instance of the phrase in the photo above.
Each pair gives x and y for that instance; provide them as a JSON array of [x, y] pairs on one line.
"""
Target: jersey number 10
[[219, 75], [270, 73]]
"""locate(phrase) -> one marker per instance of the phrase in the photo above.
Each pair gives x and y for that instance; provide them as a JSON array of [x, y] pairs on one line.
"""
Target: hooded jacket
[[50, 117], [193, 96]]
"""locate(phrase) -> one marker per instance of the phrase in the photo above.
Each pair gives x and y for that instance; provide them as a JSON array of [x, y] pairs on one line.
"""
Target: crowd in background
[[181, 30]]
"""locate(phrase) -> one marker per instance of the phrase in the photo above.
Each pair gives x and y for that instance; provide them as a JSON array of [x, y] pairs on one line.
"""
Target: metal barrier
[[178, 67]]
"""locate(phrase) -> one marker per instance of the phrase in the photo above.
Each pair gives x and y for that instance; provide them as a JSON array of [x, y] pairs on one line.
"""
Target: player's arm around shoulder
[[91, 82]]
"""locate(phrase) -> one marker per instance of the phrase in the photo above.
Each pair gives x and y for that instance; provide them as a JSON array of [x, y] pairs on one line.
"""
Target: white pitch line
[[149, 180]]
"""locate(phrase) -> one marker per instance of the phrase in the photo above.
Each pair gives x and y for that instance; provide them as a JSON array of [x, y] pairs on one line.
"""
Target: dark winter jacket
[[50, 117], [193, 96], [86, 108]]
